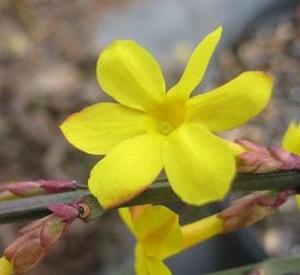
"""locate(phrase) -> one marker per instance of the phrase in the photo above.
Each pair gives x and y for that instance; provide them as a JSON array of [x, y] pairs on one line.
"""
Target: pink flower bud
[[251, 208], [27, 256], [56, 186], [32, 188], [289, 161], [51, 231], [39, 237], [67, 212], [259, 159]]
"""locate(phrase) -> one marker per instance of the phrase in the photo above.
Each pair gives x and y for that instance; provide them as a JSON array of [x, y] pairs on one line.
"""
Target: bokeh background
[[48, 51]]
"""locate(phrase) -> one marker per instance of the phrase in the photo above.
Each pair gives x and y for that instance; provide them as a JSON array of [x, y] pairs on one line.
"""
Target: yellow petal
[[6, 268], [100, 127], [157, 267], [197, 65], [157, 228], [137, 210], [141, 261], [128, 73], [199, 165], [145, 265], [127, 170], [291, 139], [298, 200], [233, 103], [126, 218], [236, 148]]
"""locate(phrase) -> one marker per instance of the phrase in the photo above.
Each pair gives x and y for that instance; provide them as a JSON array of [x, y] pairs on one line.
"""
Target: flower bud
[[67, 212], [289, 161], [251, 208], [38, 238], [14, 190], [259, 159]]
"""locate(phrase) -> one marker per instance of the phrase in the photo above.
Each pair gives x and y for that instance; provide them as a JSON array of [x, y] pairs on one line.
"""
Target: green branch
[[158, 193], [274, 266]]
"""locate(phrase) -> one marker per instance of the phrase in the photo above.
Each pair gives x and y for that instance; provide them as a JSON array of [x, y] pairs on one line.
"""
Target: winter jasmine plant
[[149, 130]]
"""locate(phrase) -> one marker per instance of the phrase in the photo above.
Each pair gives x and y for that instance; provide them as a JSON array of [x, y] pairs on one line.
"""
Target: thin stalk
[[158, 193], [274, 266]]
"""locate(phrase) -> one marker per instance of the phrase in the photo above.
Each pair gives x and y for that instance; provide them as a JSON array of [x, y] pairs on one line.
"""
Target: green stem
[[35, 207], [274, 266], [158, 193]]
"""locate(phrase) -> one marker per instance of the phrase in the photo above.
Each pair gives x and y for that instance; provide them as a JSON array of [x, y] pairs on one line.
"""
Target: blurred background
[[48, 51]]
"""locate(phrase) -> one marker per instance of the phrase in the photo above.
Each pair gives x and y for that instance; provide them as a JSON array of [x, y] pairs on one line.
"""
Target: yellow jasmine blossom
[[291, 143], [160, 236], [291, 138], [150, 129], [6, 268], [158, 233]]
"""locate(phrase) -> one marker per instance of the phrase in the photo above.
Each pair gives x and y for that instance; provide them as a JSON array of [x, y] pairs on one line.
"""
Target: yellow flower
[[158, 233], [160, 236], [6, 267], [291, 138], [149, 129], [291, 143]]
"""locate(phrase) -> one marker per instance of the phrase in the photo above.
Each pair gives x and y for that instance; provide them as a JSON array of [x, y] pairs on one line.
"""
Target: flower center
[[169, 115], [165, 127]]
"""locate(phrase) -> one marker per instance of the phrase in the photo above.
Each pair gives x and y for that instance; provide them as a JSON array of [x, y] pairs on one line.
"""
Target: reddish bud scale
[[7, 195], [251, 208], [38, 238], [288, 160], [259, 159], [35, 243], [68, 212], [56, 186], [32, 188]]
